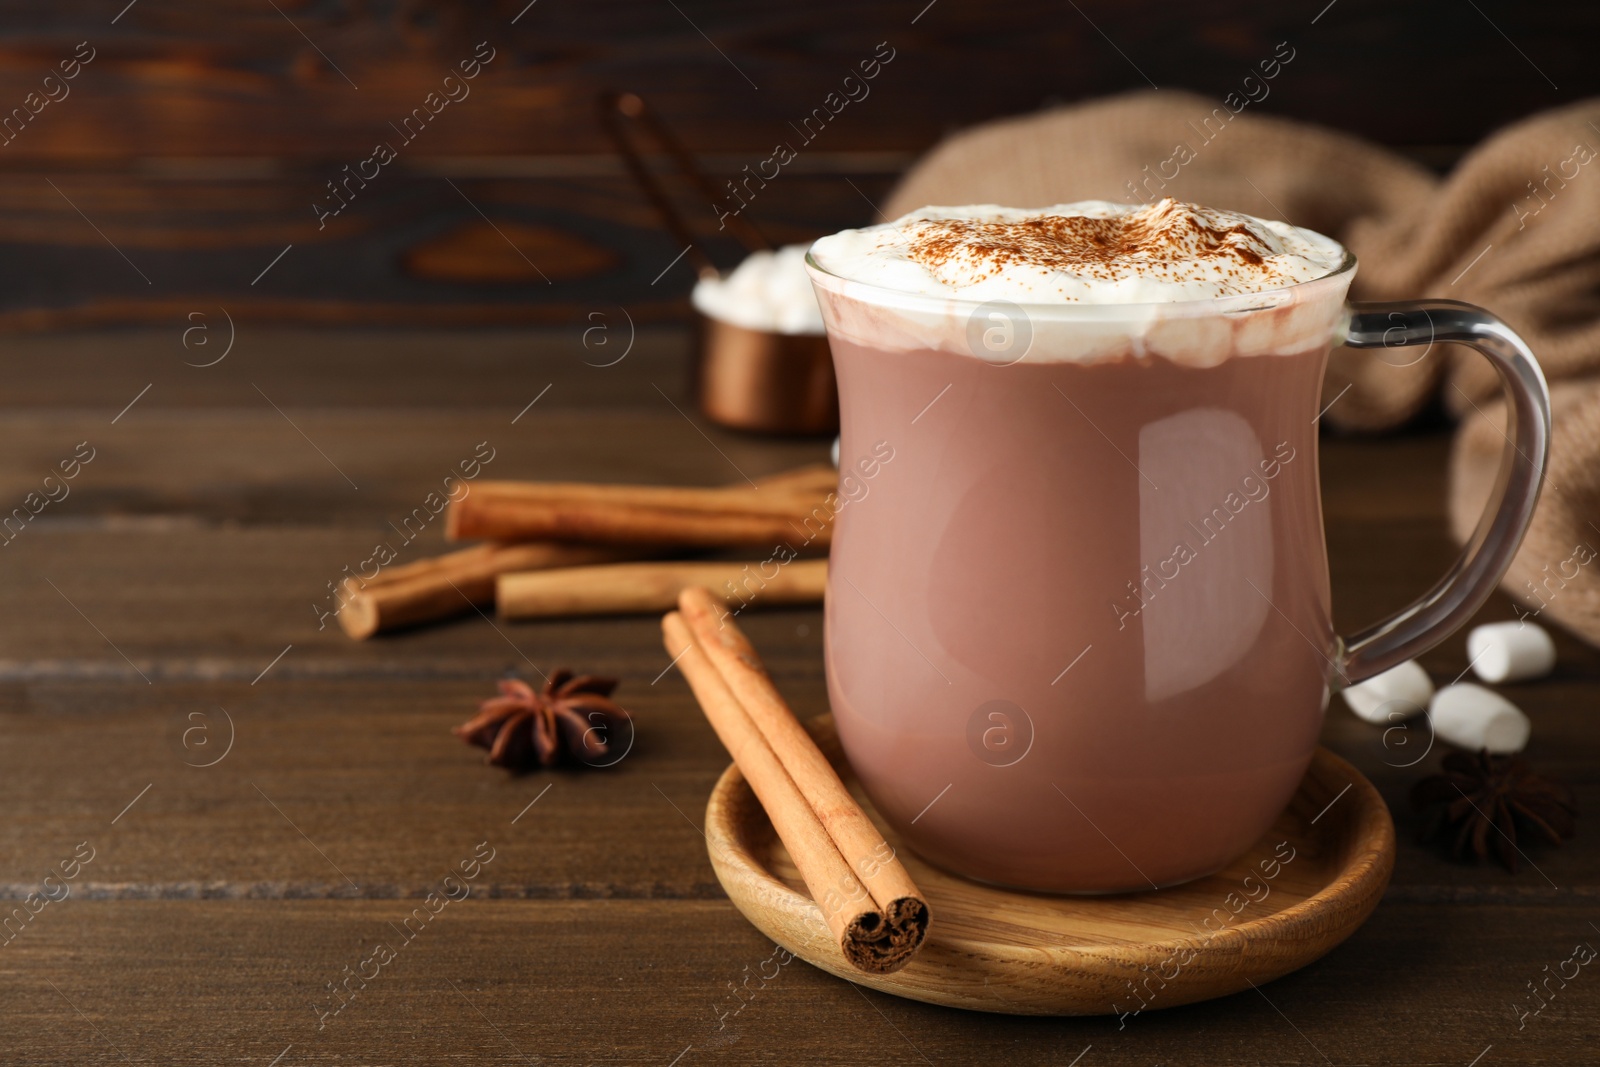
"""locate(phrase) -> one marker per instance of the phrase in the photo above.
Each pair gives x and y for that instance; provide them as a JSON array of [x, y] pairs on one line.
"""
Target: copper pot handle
[[620, 109]]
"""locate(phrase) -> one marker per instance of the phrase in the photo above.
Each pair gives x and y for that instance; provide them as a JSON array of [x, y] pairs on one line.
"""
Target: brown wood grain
[[351, 467], [206, 924], [183, 359], [108, 247], [1018, 953], [193, 148], [618, 981], [239, 79]]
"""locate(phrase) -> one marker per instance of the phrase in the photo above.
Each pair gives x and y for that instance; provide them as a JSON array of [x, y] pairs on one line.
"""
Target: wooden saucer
[[998, 950]]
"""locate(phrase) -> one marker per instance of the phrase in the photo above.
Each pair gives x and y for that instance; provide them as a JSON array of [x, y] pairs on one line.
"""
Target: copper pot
[[744, 379], [764, 381]]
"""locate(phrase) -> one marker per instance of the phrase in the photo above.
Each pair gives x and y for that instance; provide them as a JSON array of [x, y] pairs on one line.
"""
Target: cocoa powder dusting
[[1164, 239]]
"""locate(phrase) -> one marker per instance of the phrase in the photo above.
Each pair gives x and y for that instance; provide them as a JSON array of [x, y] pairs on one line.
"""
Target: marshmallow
[[1473, 717], [1393, 696], [767, 291], [1510, 651]]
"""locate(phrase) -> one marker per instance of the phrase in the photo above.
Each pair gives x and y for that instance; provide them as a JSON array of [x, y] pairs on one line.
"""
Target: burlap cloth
[[1515, 228]]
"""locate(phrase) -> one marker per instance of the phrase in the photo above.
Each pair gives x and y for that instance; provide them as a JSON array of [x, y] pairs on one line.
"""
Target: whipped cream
[[766, 291], [1087, 282], [1092, 251]]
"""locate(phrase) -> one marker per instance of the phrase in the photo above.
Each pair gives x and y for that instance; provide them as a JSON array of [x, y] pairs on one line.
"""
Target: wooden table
[[167, 604]]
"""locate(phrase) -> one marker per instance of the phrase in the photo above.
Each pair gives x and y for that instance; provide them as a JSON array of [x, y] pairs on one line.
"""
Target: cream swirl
[[1093, 251]]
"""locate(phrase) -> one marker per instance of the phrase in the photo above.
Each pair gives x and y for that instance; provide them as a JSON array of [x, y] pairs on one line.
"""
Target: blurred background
[[196, 143]]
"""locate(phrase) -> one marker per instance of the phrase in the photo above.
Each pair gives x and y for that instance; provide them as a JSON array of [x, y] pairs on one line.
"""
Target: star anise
[[1485, 802], [572, 716]]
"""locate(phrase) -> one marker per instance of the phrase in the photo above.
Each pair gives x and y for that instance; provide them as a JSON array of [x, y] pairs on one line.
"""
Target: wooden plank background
[[199, 136], [167, 202], [221, 900]]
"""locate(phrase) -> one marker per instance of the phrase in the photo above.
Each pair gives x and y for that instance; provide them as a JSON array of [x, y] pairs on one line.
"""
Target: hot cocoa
[[1078, 637]]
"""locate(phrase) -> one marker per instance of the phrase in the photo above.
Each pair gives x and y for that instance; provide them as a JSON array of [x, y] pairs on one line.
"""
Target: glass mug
[[1078, 623]]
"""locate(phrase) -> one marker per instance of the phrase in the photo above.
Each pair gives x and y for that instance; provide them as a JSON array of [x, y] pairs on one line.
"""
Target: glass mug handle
[[1451, 602]]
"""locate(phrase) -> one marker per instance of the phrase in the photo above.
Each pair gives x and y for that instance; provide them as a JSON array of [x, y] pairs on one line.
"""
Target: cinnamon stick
[[818, 478], [847, 907], [455, 583], [840, 855], [639, 588], [733, 517], [858, 839]]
